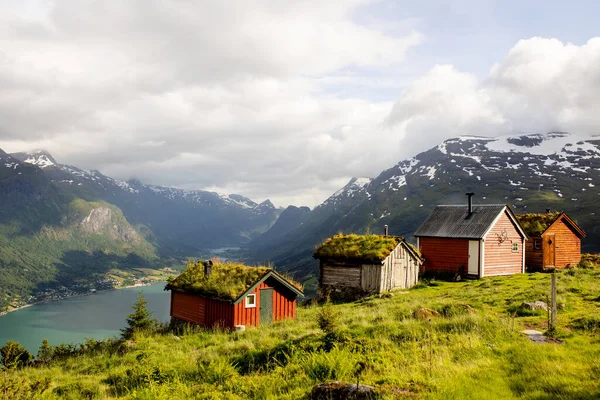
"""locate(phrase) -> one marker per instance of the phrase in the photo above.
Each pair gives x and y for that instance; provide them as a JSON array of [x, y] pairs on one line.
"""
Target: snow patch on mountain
[[356, 186]]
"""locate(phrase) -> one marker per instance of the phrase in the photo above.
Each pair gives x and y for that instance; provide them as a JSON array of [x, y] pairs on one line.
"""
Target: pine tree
[[45, 353], [140, 320]]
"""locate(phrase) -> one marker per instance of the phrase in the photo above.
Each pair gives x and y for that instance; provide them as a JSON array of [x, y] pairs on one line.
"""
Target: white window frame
[[248, 304], [514, 247]]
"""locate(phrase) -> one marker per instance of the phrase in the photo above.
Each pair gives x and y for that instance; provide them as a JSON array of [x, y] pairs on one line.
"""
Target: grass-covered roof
[[227, 281], [536, 224], [362, 247]]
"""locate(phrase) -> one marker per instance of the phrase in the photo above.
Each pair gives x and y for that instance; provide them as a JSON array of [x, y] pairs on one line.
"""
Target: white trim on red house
[[482, 255], [523, 250]]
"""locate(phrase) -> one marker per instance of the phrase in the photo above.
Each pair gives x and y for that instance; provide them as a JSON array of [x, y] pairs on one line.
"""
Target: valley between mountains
[[64, 230]]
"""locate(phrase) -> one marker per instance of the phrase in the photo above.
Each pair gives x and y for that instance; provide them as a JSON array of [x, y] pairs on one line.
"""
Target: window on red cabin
[[515, 247], [251, 301], [537, 244]]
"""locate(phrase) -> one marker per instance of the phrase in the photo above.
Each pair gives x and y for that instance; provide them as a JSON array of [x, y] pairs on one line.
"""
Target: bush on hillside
[[14, 355]]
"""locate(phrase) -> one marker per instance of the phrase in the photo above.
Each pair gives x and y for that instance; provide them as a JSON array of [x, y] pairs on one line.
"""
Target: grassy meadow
[[474, 349]]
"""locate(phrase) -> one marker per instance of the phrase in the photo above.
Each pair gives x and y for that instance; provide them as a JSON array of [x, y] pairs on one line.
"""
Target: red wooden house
[[554, 240], [229, 295], [472, 240]]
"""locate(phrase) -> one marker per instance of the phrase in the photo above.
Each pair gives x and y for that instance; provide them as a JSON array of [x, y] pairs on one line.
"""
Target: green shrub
[[337, 364], [14, 355], [216, 372], [590, 324], [327, 318], [14, 387]]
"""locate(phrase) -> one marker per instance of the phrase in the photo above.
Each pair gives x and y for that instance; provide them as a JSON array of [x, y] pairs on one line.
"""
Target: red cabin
[[229, 295], [476, 241], [554, 240]]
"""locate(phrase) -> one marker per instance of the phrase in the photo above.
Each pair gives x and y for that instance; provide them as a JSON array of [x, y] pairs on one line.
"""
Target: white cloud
[[238, 96], [540, 86], [212, 94]]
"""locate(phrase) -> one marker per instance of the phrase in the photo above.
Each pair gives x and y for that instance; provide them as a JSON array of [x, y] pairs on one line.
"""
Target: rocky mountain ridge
[[182, 220], [529, 172]]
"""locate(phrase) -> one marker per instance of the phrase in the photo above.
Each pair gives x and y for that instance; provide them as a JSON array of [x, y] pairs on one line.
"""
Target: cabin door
[[473, 257], [266, 306], [549, 251]]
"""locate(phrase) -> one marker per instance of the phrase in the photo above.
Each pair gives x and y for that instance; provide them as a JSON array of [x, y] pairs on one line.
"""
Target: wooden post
[[553, 301]]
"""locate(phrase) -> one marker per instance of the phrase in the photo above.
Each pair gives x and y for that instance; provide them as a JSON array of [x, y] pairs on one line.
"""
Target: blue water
[[97, 316]]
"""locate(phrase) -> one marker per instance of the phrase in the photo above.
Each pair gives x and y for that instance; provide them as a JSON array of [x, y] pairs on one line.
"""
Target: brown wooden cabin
[[472, 240], [348, 271], [230, 295], [554, 240]]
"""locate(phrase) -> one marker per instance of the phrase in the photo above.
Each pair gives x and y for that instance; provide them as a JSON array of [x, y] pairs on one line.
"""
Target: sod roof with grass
[[360, 247], [536, 224], [227, 281]]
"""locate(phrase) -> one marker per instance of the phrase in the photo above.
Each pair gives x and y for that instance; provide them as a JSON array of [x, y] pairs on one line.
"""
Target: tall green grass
[[467, 352]]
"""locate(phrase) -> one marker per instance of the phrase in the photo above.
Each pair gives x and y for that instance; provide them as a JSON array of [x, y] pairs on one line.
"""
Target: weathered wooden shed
[[554, 240], [227, 295], [352, 265], [472, 240]]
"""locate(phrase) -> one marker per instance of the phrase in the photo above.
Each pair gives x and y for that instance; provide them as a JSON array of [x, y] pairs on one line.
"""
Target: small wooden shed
[[472, 240], [228, 295], [554, 240], [352, 265]]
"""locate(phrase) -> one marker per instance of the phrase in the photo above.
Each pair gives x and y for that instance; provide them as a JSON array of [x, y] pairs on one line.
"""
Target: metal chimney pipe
[[208, 268], [385, 230], [470, 202]]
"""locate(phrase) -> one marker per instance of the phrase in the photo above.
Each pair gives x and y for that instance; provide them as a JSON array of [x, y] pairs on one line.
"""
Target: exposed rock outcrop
[[101, 220]]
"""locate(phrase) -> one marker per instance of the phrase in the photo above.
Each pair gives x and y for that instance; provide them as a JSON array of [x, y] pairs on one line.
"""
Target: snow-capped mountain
[[546, 158], [529, 172], [353, 190], [39, 158], [194, 219]]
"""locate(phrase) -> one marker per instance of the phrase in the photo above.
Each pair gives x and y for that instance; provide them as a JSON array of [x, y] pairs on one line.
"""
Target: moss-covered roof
[[227, 281], [361, 247], [415, 249], [536, 224]]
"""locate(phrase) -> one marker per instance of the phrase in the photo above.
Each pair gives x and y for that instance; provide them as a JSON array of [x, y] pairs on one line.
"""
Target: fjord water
[[97, 316]]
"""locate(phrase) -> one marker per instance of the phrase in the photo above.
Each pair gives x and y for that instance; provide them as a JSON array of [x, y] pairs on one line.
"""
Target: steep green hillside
[[50, 238], [472, 350]]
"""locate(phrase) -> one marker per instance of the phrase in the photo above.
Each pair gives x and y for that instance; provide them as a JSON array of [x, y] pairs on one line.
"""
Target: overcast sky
[[286, 100]]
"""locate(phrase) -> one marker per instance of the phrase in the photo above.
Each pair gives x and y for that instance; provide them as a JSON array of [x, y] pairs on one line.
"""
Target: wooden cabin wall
[[187, 307], [283, 307], [200, 310], [498, 256], [406, 270], [371, 277], [249, 316], [218, 313], [567, 245], [444, 254], [533, 257], [340, 274], [400, 270]]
